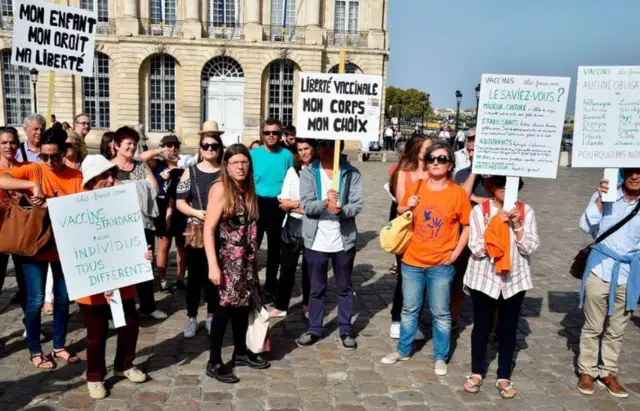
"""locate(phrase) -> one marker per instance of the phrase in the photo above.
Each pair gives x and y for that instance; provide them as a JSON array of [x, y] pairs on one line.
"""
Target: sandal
[[474, 387], [504, 391], [44, 362], [71, 358]]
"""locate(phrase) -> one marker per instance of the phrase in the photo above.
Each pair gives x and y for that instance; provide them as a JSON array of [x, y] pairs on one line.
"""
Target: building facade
[[172, 64]]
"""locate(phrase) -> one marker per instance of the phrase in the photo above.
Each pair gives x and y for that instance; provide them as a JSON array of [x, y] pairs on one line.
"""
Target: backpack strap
[[24, 152]]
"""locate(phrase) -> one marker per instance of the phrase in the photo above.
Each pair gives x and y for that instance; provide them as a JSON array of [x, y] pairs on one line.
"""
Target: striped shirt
[[481, 275]]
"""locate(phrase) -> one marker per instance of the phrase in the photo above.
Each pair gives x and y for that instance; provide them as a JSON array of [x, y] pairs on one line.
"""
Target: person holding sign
[[329, 232], [99, 173], [498, 280], [230, 241], [440, 208], [611, 282], [48, 179]]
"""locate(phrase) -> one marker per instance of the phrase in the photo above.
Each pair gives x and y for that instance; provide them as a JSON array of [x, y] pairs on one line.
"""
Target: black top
[[187, 191], [478, 185]]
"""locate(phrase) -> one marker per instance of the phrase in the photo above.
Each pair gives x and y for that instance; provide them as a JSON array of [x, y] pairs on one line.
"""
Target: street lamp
[[33, 74], [477, 101], [458, 101], [423, 106]]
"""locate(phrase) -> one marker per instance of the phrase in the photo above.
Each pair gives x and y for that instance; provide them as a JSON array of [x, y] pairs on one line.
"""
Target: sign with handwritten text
[[607, 118], [100, 239], [52, 37], [339, 106], [520, 122]]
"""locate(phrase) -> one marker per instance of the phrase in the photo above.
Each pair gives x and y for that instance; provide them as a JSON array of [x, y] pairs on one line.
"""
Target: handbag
[[194, 234], [580, 261], [292, 232], [395, 236], [258, 331], [25, 231]]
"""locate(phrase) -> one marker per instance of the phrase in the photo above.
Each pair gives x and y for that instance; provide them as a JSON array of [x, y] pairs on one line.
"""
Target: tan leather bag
[[194, 234]]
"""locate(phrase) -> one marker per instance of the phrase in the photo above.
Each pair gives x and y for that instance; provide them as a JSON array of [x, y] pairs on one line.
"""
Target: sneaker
[[96, 390], [394, 331], [133, 374], [393, 358], [307, 339], [612, 384], [208, 324], [349, 342], [585, 384], [157, 315], [440, 368], [191, 329]]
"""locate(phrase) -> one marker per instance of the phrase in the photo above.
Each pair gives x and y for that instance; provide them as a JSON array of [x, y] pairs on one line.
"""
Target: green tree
[[407, 103]]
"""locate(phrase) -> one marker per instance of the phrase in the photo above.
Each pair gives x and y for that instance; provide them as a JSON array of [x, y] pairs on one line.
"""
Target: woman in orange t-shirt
[[48, 179], [440, 208]]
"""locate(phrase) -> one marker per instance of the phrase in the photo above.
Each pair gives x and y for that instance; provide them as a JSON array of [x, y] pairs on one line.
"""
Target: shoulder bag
[[580, 260], [395, 236], [25, 231], [194, 234]]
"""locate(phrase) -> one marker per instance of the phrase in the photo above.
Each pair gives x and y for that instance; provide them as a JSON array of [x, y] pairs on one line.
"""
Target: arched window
[[162, 93], [222, 66], [100, 6], [349, 68], [15, 87], [280, 99], [95, 93], [347, 16]]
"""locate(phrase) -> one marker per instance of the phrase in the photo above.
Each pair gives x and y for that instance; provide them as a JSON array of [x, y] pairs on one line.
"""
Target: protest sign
[[607, 117], [520, 123], [51, 37], [100, 239], [339, 106]]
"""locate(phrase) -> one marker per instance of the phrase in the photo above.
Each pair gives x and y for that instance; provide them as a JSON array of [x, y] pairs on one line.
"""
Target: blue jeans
[[35, 276], [437, 281]]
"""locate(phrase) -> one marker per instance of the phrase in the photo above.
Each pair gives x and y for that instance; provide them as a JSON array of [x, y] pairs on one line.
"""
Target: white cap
[[94, 165]]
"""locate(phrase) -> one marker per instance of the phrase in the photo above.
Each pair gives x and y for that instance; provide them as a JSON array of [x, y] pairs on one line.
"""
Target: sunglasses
[[438, 160], [272, 133], [209, 147], [53, 157], [171, 145]]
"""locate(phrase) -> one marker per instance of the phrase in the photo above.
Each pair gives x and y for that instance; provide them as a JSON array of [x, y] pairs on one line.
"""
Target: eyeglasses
[[209, 147], [240, 163], [53, 157], [438, 160], [171, 145], [83, 123], [272, 133]]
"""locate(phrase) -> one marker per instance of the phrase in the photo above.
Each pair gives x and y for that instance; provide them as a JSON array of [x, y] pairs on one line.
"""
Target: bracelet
[[517, 230]]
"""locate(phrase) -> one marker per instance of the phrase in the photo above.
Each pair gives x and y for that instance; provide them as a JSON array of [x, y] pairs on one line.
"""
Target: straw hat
[[93, 166], [210, 127]]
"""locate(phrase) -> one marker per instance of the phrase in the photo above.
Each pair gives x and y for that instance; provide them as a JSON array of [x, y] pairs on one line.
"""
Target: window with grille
[[162, 93], [6, 8], [283, 13], [95, 93], [222, 66], [223, 12], [162, 11], [347, 16], [280, 104], [349, 68], [100, 6], [15, 87]]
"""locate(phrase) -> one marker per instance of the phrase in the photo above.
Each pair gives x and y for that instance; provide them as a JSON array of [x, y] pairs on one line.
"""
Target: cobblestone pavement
[[325, 377]]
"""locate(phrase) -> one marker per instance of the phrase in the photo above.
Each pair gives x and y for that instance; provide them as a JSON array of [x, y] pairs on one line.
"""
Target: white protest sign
[[607, 117], [100, 239], [51, 37], [520, 123], [339, 106]]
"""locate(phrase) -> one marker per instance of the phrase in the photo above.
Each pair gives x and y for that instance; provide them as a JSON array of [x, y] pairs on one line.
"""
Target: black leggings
[[199, 282], [239, 323], [289, 256], [145, 289], [396, 307]]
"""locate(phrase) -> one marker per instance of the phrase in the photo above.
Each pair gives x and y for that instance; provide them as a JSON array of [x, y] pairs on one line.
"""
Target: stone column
[[315, 33], [376, 20], [192, 24], [253, 28], [129, 24]]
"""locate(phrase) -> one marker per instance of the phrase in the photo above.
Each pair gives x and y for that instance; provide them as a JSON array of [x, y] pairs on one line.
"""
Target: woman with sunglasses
[[231, 244], [440, 208], [411, 167], [51, 178], [170, 223], [192, 201], [497, 282]]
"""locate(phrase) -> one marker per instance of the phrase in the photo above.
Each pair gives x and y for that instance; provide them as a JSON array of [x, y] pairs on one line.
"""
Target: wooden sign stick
[[336, 150]]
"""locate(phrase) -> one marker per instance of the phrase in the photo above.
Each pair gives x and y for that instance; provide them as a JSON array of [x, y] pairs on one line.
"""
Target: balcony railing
[[6, 22], [292, 34], [215, 30], [348, 38], [106, 28], [160, 28]]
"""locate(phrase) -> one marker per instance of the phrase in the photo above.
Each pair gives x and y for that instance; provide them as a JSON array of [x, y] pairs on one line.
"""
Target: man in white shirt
[[388, 138], [444, 134], [464, 157]]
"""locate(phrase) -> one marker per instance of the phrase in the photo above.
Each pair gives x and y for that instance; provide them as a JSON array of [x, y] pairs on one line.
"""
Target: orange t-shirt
[[436, 223], [54, 184]]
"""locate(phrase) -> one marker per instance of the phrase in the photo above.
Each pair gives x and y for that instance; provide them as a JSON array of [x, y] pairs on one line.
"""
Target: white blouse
[[291, 190]]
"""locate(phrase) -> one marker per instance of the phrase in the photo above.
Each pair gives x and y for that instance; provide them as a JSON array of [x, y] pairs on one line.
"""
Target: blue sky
[[441, 46]]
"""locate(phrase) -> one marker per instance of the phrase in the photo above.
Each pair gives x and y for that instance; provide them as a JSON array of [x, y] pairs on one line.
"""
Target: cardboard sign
[[520, 123], [50, 37], [339, 106], [100, 239], [607, 118]]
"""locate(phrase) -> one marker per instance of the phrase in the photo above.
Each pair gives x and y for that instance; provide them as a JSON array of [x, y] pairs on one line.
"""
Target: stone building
[[171, 64]]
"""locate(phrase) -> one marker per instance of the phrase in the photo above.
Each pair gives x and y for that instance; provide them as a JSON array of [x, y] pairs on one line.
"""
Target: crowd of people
[[219, 203]]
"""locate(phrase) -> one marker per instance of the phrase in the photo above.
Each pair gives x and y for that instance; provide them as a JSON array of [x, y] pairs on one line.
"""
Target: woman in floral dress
[[230, 241]]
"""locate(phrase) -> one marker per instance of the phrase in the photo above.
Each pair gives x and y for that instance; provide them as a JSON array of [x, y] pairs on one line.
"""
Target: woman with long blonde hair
[[231, 244]]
